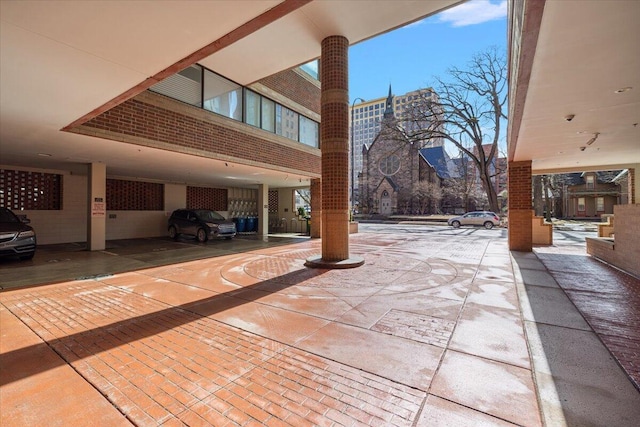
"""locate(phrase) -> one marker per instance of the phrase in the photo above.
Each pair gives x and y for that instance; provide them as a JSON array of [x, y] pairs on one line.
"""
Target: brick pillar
[[520, 212], [334, 140], [631, 187], [316, 207]]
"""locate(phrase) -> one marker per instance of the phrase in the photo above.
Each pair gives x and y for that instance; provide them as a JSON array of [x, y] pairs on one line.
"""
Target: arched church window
[[390, 165]]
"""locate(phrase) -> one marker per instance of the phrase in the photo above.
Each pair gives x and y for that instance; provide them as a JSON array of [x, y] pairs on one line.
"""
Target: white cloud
[[474, 12]]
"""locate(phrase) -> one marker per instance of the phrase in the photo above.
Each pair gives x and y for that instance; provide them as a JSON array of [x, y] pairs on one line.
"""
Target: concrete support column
[[97, 204], [334, 144], [520, 212], [316, 208], [263, 210]]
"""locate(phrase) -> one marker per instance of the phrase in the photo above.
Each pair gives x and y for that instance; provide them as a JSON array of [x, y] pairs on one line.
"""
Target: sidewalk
[[430, 331]]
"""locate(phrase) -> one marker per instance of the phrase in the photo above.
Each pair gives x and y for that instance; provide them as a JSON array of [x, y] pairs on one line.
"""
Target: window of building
[[581, 204], [590, 181], [308, 132], [268, 115], [390, 165], [311, 68], [222, 96], [185, 86], [600, 204], [252, 108], [289, 126]]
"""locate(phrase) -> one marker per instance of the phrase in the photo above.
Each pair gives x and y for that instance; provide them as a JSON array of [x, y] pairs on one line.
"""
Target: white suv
[[484, 219]]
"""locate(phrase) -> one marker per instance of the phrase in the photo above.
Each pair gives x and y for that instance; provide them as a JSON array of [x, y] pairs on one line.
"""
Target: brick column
[[520, 212], [334, 144], [334, 136], [631, 187], [316, 207]]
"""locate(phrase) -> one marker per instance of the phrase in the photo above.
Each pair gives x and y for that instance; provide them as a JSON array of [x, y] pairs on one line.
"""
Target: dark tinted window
[[7, 216]]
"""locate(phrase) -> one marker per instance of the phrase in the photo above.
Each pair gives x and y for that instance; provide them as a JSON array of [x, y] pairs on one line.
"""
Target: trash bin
[[240, 226], [251, 224]]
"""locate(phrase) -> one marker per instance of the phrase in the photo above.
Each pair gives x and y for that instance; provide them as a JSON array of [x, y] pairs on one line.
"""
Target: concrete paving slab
[[537, 278], [498, 389], [551, 306], [399, 359], [441, 412], [492, 333], [579, 382]]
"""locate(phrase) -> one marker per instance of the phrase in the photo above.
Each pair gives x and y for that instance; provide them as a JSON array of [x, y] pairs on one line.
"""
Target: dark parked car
[[16, 237], [201, 223], [484, 219]]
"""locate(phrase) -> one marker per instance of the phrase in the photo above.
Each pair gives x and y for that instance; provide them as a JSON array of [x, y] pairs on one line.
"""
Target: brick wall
[[295, 87], [134, 195], [627, 237], [624, 251], [29, 190], [520, 212], [215, 199], [141, 118]]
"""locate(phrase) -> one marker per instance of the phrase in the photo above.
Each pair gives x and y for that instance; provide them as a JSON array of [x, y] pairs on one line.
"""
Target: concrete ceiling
[[586, 57], [62, 60]]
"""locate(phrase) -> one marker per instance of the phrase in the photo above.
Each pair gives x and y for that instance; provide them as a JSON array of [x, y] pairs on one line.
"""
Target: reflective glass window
[[268, 115], [252, 107], [185, 86], [222, 96], [308, 132]]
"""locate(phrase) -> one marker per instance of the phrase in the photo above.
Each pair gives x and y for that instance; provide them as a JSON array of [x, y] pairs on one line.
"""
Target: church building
[[395, 168]]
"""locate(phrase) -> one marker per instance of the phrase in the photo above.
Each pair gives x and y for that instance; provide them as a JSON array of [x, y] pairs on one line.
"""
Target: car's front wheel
[[173, 233], [455, 224], [488, 225], [201, 235]]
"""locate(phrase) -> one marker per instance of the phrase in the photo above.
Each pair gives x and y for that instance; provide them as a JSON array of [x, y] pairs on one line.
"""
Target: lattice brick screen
[[30, 190], [207, 198], [134, 195], [273, 201]]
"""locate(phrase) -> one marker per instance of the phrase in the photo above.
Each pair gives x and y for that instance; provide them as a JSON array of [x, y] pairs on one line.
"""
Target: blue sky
[[409, 57]]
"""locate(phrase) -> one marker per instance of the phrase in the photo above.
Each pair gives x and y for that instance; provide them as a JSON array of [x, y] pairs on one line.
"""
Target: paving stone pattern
[[608, 299], [254, 338]]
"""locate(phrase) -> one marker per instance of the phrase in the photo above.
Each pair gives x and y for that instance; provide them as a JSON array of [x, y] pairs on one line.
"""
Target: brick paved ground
[[608, 299], [428, 332], [255, 338]]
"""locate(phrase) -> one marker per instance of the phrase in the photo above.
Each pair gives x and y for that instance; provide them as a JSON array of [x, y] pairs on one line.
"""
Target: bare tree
[[466, 110], [428, 195]]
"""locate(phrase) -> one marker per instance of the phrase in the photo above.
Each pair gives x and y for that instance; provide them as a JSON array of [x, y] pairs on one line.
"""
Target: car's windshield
[[7, 216], [207, 215]]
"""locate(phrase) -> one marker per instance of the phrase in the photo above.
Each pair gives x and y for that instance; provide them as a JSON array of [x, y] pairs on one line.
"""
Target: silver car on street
[[484, 219]]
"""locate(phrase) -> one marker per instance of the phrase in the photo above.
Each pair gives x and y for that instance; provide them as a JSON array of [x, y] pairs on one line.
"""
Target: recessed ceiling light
[[624, 89], [44, 154]]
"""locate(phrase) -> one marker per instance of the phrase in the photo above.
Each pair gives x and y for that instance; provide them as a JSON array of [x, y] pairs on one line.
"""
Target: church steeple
[[388, 112]]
